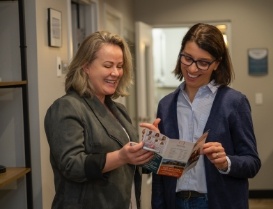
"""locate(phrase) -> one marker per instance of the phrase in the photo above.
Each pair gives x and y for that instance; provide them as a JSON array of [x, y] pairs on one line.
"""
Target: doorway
[[82, 21]]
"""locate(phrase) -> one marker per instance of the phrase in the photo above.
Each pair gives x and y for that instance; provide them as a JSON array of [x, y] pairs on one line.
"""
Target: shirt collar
[[211, 86]]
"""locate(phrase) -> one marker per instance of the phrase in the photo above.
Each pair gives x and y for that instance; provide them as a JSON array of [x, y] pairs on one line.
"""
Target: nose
[[114, 71], [193, 67]]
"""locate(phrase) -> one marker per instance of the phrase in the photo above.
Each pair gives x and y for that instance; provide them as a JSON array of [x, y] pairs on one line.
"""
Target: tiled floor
[[261, 204]]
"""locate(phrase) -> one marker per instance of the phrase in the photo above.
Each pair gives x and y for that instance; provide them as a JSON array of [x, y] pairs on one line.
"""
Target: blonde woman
[[89, 134]]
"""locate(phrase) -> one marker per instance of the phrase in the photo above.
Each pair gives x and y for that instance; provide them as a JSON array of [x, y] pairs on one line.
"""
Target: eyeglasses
[[200, 64]]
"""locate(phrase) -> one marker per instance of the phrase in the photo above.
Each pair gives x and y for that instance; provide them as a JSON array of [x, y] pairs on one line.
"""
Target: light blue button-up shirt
[[192, 118]]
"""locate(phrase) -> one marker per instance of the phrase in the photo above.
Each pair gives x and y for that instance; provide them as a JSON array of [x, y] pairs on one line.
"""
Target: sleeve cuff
[[229, 165], [94, 164]]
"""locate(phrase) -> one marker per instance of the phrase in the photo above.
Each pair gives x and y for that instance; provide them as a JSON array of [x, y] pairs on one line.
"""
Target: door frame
[[91, 22]]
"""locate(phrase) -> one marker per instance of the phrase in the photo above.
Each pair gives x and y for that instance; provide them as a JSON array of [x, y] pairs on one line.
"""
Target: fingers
[[144, 158], [156, 122], [212, 147], [135, 146], [215, 152], [218, 155], [135, 153], [153, 126], [218, 159]]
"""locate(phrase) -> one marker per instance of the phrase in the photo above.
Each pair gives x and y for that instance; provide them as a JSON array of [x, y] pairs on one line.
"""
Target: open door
[[82, 18], [145, 99], [144, 73]]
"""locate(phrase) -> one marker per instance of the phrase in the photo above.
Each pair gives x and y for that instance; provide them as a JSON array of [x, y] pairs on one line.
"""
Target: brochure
[[172, 157]]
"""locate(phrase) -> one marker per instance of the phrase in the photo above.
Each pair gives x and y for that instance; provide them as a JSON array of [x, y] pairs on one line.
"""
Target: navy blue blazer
[[230, 123]]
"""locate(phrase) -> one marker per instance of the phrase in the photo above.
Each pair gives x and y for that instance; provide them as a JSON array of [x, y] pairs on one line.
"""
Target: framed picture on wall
[[54, 28], [257, 61]]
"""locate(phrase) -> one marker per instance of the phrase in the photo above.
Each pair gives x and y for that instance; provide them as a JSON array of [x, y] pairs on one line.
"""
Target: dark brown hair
[[210, 39]]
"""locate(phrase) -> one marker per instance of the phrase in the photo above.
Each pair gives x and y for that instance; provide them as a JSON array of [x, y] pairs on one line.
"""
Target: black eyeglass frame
[[196, 61]]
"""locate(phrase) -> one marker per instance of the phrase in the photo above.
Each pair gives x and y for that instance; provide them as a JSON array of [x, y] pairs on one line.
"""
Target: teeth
[[192, 76], [110, 81]]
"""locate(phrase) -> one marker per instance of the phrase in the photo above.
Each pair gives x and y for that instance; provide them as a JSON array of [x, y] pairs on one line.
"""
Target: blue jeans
[[192, 203]]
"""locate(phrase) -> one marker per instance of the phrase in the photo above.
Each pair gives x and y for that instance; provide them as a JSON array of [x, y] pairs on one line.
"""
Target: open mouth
[[192, 76], [111, 81]]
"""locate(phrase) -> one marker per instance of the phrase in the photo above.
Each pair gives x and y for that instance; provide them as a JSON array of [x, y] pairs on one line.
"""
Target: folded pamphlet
[[172, 157]]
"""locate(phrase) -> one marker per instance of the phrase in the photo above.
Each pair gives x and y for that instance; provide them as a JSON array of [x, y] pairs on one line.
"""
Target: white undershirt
[[133, 203]]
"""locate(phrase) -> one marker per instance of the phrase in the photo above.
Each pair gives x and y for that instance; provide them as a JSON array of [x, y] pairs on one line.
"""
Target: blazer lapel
[[171, 124], [111, 124], [122, 116]]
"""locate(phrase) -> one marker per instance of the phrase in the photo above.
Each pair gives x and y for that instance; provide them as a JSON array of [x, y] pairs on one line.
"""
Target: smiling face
[[194, 77], [106, 70]]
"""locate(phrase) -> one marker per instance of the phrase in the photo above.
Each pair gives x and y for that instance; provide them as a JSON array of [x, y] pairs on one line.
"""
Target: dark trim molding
[[261, 194], [23, 52]]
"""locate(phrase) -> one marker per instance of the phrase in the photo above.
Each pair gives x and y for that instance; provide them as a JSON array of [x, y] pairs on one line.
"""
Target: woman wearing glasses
[[202, 102]]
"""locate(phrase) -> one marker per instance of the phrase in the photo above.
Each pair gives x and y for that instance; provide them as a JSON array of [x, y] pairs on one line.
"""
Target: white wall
[[44, 88]]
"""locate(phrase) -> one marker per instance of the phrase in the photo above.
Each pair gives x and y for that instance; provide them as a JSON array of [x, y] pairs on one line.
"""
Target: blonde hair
[[78, 80]]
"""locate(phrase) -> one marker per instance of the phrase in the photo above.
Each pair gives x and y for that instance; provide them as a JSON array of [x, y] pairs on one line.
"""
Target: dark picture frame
[[258, 61], [54, 28]]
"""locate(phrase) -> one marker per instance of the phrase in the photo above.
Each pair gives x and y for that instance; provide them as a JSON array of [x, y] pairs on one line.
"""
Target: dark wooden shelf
[[11, 175], [12, 84]]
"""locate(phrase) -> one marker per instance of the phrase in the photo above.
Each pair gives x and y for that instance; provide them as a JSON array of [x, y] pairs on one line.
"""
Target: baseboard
[[261, 194]]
